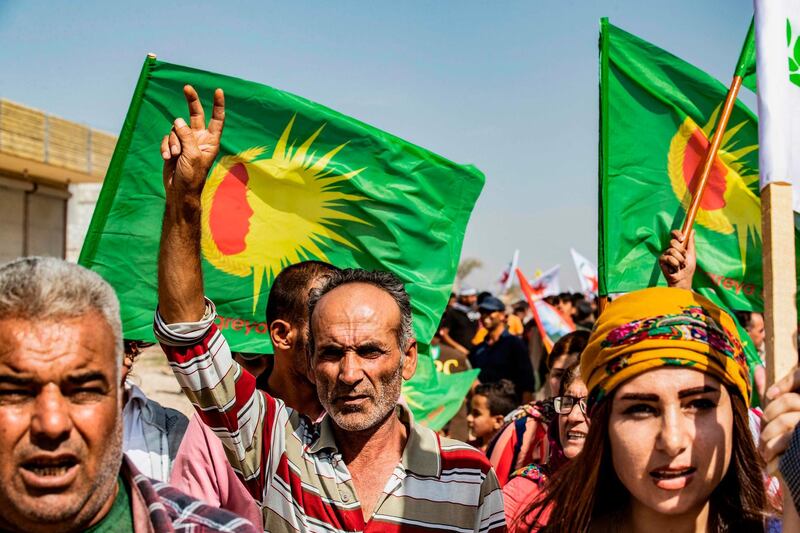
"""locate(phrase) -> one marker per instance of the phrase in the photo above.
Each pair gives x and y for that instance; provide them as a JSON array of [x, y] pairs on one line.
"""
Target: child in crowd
[[489, 405]]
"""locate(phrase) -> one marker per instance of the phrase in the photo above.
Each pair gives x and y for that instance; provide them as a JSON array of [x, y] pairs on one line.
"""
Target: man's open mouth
[[50, 466]]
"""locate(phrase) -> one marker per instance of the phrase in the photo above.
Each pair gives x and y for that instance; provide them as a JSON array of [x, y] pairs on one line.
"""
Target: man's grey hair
[[46, 288], [383, 280]]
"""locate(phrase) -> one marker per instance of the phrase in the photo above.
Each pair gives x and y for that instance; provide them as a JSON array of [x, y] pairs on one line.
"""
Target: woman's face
[[671, 434], [559, 366], [573, 427]]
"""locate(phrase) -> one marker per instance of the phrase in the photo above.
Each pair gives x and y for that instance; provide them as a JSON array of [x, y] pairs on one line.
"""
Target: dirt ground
[[153, 375]]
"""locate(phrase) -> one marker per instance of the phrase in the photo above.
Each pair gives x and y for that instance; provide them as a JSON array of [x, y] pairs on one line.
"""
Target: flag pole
[[780, 284], [711, 154]]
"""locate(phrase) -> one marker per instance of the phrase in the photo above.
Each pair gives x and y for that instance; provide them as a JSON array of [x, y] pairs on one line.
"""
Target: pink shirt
[[202, 470]]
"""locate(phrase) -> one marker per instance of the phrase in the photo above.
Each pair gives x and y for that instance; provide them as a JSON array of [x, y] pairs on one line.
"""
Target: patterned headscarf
[[659, 327]]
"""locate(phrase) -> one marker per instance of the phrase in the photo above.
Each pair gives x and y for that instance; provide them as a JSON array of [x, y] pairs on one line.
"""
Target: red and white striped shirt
[[293, 467]]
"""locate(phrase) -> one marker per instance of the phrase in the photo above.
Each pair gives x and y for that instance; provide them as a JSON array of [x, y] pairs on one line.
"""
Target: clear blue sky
[[510, 86]]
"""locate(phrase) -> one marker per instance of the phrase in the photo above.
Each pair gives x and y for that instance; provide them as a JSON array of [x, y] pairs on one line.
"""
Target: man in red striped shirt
[[367, 466]]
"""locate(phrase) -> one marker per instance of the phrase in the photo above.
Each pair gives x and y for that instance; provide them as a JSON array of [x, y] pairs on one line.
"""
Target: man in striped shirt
[[367, 466]]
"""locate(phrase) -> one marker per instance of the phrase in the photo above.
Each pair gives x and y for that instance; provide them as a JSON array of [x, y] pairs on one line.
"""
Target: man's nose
[[350, 371], [51, 418]]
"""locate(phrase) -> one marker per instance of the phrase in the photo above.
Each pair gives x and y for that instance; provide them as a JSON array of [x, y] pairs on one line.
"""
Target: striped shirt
[[294, 469]]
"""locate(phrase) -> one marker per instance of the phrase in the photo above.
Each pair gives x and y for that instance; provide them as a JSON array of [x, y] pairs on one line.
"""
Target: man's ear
[[410, 361], [281, 333]]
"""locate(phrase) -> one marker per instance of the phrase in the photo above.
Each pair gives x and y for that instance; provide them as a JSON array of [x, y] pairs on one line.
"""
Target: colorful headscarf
[[659, 327]]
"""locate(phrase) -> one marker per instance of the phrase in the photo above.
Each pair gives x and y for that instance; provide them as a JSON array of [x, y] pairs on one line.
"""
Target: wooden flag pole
[[711, 154], [780, 284]]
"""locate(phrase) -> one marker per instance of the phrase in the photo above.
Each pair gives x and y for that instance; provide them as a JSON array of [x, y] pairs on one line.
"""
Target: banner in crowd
[[547, 283], [294, 181], [778, 50], [550, 323], [506, 279], [435, 397], [657, 113], [587, 272]]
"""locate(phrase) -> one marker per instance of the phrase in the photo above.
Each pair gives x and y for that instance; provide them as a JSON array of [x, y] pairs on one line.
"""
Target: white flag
[[587, 272], [777, 25], [506, 279], [547, 284]]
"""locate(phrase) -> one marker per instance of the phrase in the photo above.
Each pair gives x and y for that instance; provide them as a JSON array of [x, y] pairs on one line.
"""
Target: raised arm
[[188, 152], [224, 396]]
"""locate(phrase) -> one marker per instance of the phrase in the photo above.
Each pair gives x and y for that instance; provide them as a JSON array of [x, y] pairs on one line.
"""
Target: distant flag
[[552, 325], [587, 272], [506, 279], [546, 284]]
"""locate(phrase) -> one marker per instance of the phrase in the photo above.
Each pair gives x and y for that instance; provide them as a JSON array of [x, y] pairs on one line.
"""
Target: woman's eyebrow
[[697, 390], [640, 396]]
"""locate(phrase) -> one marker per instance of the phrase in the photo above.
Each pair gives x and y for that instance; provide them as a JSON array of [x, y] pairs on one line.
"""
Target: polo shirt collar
[[422, 454]]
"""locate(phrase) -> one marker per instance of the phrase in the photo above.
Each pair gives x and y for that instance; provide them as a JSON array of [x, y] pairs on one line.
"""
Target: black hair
[[289, 292], [500, 395]]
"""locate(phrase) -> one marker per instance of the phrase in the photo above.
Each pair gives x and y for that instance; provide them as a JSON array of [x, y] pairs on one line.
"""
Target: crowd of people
[[639, 420]]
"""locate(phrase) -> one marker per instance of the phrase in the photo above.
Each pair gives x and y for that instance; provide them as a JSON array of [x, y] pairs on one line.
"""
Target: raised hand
[[679, 261], [780, 418], [189, 150]]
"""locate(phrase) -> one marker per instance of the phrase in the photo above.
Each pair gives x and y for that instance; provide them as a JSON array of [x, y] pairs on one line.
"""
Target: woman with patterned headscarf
[[669, 447]]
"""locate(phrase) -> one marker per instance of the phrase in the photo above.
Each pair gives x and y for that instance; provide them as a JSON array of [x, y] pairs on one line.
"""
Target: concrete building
[[51, 172]]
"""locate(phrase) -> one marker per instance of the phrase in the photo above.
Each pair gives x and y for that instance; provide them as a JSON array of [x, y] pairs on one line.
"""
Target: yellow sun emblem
[[728, 203], [261, 215]]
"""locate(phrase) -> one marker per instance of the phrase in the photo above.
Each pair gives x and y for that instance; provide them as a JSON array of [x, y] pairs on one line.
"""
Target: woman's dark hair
[[571, 343], [587, 490], [571, 374]]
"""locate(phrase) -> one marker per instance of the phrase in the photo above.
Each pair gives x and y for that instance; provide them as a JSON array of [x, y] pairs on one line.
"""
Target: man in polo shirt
[[367, 466], [502, 355]]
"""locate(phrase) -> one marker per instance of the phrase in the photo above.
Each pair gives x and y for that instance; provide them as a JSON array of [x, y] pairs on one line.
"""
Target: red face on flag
[[728, 204]]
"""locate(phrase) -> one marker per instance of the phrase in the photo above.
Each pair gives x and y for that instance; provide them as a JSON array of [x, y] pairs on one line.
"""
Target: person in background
[[584, 315], [460, 322], [567, 432], [489, 405], [502, 355], [669, 445], [523, 440], [62, 467], [201, 468], [753, 323], [565, 305], [151, 433], [448, 360]]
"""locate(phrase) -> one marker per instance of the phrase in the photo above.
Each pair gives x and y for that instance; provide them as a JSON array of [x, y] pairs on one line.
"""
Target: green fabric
[[746, 66], [653, 109], [435, 397], [294, 181], [120, 518]]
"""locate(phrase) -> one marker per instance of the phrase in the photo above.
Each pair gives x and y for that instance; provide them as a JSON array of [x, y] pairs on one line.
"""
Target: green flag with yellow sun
[[294, 181], [657, 114]]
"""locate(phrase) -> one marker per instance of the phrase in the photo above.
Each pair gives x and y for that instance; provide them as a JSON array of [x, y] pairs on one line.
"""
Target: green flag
[[657, 113], [435, 397], [294, 181]]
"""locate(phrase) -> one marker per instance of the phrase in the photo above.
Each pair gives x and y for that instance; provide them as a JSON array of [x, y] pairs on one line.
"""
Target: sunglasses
[[564, 404]]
